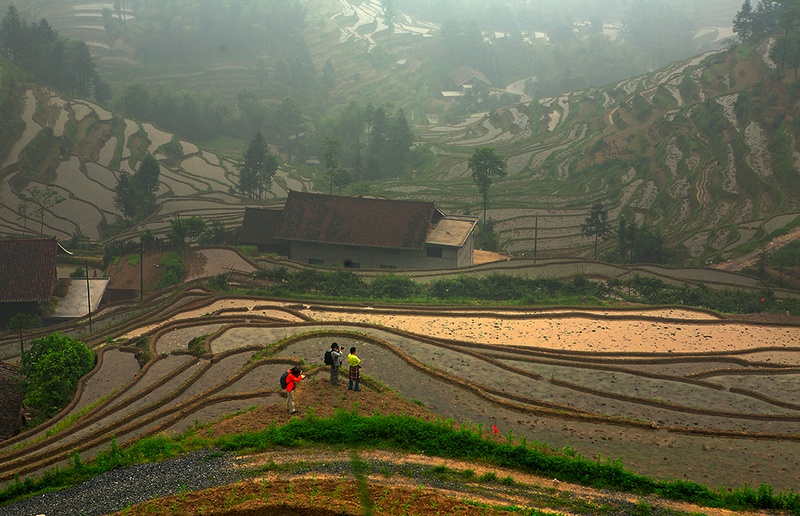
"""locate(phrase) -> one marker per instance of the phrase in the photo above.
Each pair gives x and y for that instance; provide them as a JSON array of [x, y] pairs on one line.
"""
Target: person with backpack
[[333, 358], [355, 370], [293, 376]]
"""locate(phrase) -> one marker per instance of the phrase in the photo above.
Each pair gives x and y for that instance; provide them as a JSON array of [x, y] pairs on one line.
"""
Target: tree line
[[365, 143], [63, 64], [768, 17]]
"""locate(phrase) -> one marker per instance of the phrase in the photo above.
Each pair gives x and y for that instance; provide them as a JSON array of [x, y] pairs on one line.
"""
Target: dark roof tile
[[259, 226], [334, 219], [27, 269]]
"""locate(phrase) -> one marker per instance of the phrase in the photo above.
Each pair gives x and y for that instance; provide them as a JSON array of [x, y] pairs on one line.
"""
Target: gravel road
[[116, 490]]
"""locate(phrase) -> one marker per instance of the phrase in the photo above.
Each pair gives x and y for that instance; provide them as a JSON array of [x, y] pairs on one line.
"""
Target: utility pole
[[88, 295], [141, 271]]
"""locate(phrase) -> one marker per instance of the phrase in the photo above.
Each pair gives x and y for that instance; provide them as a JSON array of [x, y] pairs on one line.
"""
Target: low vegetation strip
[[517, 290], [411, 435]]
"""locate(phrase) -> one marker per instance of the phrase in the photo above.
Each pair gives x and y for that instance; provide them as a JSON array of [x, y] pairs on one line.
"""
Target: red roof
[[27, 270], [334, 219]]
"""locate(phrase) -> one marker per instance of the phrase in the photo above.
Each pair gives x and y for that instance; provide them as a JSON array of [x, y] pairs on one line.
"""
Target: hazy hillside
[[700, 150]]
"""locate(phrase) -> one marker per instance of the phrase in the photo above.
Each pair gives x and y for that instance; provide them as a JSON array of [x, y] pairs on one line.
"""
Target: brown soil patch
[[316, 396], [124, 276], [480, 256]]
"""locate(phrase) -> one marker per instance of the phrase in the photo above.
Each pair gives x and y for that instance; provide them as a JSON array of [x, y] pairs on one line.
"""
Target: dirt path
[[751, 258]]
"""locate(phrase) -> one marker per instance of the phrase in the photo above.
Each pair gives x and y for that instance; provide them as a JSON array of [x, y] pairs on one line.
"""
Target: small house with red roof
[[370, 233]]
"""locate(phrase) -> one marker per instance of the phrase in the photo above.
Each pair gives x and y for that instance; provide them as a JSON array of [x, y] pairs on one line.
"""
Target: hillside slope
[[706, 151]]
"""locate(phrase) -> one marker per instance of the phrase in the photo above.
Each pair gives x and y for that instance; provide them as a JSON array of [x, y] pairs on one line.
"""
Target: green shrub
[[52, 366], [172, 269], [393, 286], [197, 346]]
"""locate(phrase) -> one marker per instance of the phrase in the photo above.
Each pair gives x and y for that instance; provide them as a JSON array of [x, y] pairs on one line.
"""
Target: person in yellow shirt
[[355, 370]]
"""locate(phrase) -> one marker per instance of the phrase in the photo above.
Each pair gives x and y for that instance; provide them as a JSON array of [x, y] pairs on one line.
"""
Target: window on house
[[351, 265], [433, 252], [316, 261]]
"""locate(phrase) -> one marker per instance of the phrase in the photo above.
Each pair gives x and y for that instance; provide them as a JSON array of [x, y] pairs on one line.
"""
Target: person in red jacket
[[294, 376]]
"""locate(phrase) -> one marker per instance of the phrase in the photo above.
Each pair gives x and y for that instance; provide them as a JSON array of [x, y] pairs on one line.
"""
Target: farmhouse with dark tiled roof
[[27, 270], [367, 233], [27, 275]]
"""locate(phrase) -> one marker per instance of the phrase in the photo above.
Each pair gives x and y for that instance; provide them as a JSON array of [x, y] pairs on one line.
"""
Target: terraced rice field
[[199, 183], [675, 393]]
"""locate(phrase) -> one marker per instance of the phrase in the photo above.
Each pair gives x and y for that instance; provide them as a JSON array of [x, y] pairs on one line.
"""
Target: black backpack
[[283, 380], [328, 358]]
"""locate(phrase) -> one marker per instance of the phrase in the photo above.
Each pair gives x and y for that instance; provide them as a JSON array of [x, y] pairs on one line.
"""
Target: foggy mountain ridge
[[696, 149]]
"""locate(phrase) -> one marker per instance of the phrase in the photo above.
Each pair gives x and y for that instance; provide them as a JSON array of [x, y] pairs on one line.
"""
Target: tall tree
[[389, 15], [743, 22], [397, 146], [789, 43], [61, 63], [352, 129], [596, 224], [23, 208], [764, 19], [640, 244], [12, 38], [330, 158], [290, 126], [389, 140], [135, 196], [124, 196], [257, 169], [23, 322], [44, 200], [486, 165], [183, 231]]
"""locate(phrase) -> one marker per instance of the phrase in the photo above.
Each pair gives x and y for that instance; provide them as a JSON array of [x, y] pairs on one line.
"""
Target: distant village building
[[462, 80], [368, 233]]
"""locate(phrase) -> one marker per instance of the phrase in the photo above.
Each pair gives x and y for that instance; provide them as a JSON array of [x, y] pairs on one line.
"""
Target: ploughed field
[[677, 394]]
